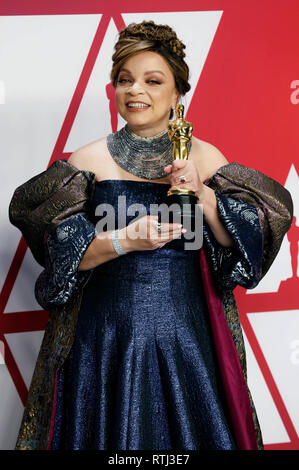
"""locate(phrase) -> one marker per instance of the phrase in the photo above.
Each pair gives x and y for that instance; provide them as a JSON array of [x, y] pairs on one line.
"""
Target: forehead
[[146, 61]]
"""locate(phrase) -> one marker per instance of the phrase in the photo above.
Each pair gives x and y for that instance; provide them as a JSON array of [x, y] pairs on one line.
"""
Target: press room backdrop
[[55, 60]]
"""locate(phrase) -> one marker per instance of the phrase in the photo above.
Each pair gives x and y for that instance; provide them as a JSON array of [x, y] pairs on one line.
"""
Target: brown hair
[[148, 36]]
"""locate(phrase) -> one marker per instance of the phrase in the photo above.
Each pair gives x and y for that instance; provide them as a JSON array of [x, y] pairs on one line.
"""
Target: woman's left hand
[[187, 169]]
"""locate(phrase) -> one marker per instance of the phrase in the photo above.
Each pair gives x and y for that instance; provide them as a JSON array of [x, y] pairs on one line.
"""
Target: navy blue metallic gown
[[142, 373]]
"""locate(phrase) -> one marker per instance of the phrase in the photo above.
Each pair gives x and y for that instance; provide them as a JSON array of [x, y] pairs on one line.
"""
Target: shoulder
[[207, 157], [84, 157]]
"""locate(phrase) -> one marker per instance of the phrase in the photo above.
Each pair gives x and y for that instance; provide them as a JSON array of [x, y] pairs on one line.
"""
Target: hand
[[143, 235], [188, 169]]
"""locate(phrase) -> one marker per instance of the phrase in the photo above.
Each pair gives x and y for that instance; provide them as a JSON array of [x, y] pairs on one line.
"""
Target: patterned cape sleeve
[[52, 210], [257, 212], [64, 247]]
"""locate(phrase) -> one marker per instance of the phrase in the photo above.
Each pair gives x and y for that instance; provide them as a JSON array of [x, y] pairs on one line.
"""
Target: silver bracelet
[[116, 243]]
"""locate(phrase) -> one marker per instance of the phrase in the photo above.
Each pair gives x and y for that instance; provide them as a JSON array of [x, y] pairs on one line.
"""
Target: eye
[[122, 80], [155, 81]]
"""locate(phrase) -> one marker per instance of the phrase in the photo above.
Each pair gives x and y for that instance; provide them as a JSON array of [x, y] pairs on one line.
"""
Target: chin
[[138, 122], [141, 121]]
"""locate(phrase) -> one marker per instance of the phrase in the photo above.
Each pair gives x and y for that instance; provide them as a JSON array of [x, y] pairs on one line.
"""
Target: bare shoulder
[[85, 157], [207, 157]]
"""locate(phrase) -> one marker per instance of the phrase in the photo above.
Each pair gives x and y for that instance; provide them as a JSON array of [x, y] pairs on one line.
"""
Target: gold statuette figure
[[180, 133], [182, 204]]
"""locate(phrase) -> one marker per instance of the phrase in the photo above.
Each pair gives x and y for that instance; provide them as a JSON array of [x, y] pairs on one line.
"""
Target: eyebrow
[[146, 73]]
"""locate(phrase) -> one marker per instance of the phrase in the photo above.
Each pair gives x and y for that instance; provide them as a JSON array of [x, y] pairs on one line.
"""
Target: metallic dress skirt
[[142, 373]]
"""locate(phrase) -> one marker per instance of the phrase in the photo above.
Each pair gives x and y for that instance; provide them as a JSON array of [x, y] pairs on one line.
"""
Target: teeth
[[138, 105]]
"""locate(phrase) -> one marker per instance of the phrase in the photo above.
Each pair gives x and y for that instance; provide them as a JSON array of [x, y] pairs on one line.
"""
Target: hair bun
[[161, 34], [148, 36]]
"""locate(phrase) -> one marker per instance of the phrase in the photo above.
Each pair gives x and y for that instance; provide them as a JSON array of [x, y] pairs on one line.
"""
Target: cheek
[[165, 96], [119, 96], [161, 99]]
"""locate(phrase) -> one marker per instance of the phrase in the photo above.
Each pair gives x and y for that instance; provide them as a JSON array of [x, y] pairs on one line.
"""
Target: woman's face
[[146, 79]]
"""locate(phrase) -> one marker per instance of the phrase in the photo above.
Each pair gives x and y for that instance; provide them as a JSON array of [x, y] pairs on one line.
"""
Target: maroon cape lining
[[234, 384]]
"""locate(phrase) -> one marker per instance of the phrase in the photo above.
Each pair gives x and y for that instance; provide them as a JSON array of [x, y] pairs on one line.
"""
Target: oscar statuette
[[182, 203]]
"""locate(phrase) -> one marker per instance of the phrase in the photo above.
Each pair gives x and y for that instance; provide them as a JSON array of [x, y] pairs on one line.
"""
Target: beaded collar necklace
[[145, 157]]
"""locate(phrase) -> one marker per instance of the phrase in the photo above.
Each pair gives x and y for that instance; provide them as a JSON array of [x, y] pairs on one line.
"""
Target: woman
[[144, 348]]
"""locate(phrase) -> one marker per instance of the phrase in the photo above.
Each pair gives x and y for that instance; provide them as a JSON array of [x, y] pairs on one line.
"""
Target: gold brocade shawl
[[62, 191]]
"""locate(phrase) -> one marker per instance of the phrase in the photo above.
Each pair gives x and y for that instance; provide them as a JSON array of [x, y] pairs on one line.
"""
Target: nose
[[135, 88]]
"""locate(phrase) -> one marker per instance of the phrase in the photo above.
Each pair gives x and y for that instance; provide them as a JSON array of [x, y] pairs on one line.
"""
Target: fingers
[[168, 232], [174, 176], [168, 169], [176, 166], [165, 226]]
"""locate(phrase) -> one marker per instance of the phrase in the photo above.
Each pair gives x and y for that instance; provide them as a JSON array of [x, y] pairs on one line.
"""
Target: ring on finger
[[182, 179], [159, 228]]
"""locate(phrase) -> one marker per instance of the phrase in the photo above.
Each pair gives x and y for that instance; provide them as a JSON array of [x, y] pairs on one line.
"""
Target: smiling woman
[[144, 348]]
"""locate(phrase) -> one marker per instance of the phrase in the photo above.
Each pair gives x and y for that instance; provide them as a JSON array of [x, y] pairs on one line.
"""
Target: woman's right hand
[[143, 235]]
